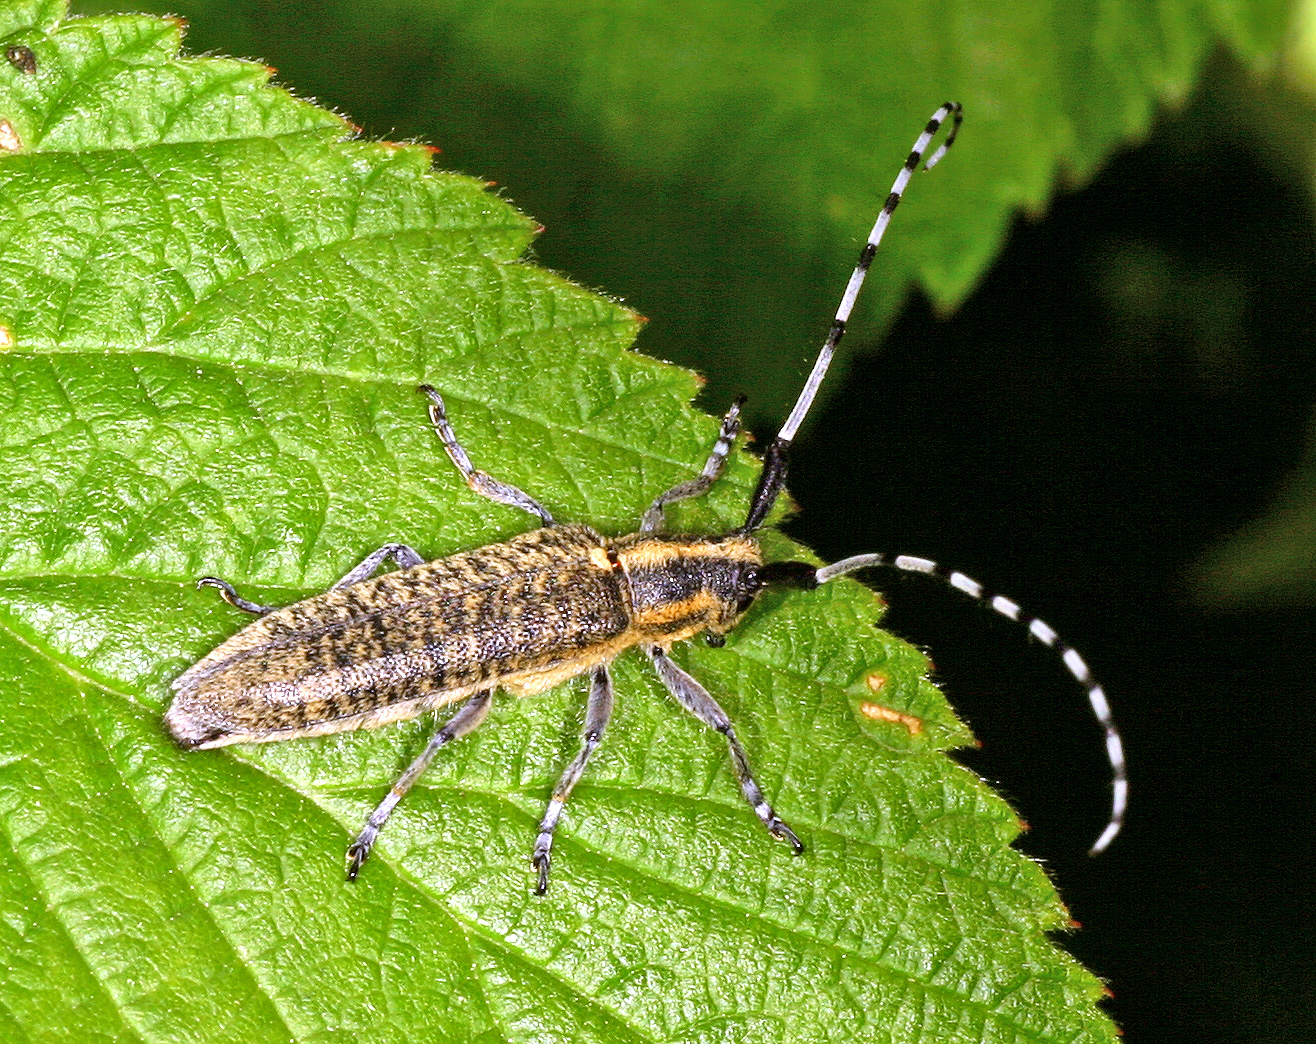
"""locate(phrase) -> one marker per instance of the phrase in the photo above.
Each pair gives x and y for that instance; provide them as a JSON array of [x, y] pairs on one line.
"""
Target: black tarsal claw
[[356, 857], [785, 833]]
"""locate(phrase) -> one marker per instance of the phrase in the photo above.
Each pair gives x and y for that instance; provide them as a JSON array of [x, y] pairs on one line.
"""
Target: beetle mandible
[[528, 614]]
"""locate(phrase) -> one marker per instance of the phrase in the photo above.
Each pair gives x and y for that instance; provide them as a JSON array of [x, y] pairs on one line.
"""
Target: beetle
[[532, 612]]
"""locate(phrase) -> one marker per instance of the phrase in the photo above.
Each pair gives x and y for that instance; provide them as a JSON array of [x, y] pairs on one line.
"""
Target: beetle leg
[[404, 556], [465, 720], [231, 596], [696, 487], [597, 713], [699, 702], [480, 481]]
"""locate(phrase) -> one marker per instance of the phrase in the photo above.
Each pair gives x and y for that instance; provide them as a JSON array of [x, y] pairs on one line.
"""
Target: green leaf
[[216, 306], [717, 163]]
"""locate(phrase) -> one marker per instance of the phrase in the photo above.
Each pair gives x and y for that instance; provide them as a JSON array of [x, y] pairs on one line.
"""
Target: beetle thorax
[[682, 585]]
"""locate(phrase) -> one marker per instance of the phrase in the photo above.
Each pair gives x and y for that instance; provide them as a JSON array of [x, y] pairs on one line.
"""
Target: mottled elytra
[[526, 615]]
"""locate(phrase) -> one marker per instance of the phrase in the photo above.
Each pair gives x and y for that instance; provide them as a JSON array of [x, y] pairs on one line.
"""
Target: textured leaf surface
[[216, 307]]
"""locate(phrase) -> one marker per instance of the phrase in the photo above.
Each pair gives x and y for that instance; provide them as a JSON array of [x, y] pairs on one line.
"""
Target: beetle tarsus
[[782, 832], [227, 592], [541, 862], [357, 854]]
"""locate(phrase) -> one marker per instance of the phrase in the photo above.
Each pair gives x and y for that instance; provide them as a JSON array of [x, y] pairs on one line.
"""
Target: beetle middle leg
[[480, 481], [597, 712], [699, 702], [465, 720]]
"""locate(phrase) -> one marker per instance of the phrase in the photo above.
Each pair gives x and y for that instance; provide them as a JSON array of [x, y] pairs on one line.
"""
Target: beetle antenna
[[773, 476], [1036, 628]]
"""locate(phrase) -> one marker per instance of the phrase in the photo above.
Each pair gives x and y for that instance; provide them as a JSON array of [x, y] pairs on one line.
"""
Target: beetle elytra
[[527, 614]]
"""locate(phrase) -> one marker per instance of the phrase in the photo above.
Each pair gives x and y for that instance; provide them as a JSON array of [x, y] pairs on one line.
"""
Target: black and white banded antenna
[[773, 477], [1045, 634]]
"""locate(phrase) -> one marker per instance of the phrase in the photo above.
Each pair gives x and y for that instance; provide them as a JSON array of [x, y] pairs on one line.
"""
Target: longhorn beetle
[[543, 607]]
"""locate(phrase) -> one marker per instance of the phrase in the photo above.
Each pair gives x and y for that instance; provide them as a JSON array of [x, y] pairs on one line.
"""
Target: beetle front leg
[[652, 521], [699, 702]]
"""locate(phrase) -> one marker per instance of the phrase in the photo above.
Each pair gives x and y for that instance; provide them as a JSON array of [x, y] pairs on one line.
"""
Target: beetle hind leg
[[597, 713], [699, 702], [465, 720], [231, 596], [404, 556]]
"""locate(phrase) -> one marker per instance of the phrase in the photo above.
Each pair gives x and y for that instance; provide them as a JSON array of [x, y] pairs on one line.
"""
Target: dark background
[[1081, 461], [1132, 381]]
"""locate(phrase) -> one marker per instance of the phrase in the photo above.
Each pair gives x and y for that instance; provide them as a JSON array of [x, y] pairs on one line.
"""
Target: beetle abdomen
[[396, 645]]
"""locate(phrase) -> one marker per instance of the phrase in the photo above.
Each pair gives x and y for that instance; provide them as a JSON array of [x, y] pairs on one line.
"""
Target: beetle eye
[[751, 583]]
